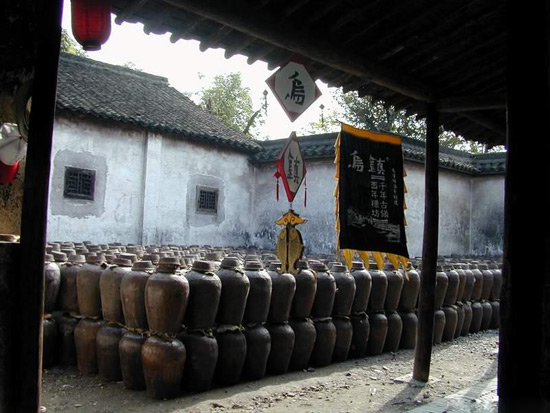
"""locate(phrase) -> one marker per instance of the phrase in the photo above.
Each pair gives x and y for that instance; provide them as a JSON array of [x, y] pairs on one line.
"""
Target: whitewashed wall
[[146, 187]]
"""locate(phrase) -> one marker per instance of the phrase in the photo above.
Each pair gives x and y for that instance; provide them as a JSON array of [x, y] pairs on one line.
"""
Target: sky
[[189, 70]]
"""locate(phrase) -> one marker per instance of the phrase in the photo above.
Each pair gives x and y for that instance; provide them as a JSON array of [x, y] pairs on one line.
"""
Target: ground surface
[[373, 384]]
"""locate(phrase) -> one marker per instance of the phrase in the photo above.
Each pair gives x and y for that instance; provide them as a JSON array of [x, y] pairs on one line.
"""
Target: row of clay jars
[[343, 302]]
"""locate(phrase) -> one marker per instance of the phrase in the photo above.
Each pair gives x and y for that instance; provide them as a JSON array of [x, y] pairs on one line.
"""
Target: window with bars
[[207, 200], [79, 183]]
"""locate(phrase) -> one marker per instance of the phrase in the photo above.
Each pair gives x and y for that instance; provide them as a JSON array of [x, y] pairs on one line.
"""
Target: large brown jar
[[395, 329], [325, 341], [259, 296], [411, 289], [497, 282], [283, 288], [360, 337], [451, 320], [67, 299], [469, 282], [379, 289], [488, 279], [166, 297], [410, 326], [453, 281], [85, 335], [108, 360], [363, 286], [345, 291], [131, 366], [304, 332], [395, 285], [258, 348], [477, 291], [163, 363], [282, 345], [205, 290], [441, 284], [202, 356], [235, 289], [52, 281], [378, 332], [87, 284], [325, 293], [344, 333], [132, 294], [109, 286], [231, 355], [306, 287], [66, 348]]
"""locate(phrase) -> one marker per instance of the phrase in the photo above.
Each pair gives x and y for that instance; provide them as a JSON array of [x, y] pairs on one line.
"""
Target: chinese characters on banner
[[294, 89], [370, 195], [291, 167]]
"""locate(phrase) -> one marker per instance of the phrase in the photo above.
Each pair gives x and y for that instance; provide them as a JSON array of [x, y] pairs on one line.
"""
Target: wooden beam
[[234, 13], [485, 121], [212, 39], [469, 103], [426, 304], [129, 10], [30, 293]]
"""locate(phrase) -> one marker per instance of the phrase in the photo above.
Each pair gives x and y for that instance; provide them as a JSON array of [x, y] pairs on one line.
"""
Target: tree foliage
[[69, 45], [365, 112], [230, 101]]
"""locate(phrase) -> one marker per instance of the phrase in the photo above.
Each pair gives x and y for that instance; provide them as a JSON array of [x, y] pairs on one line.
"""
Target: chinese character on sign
[[356, 162], [294, 89], [291, 167]]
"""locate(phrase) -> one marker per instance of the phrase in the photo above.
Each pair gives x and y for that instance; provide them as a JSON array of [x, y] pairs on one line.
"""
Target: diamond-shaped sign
[[291, 167], [294, 89]]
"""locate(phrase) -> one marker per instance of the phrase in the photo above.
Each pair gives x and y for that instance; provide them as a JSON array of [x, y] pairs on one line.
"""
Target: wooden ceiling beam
[[471, 103], [129, 10], [234, 13], [213, 38], [486, 122]]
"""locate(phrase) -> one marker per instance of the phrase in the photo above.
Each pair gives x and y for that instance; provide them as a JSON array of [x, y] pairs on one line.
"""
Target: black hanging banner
[[370, 204]]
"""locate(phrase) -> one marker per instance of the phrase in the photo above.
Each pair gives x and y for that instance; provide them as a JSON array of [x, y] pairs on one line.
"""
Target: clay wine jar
[[306, 287], [66, 348], [410, 326], [487, 315], [360, 337], [49, 342], [258, 347], [395, 285], [441, 284], [461, 281], [453, 281], [345, 290], [477, 316], [67, 299], [477, 291], [344, 333], [132, 294], [282, 344], [259, 296], [326, 291], [166, 297], [283, 288], [204, 296], [231, 355], [411, 289], [495, 315], [85, 335], [469, 283], [395, 329], [52, 281], [163, 363], [363, 286], [459, 319], [131, 366], [439, 325], [108, 360], [497, 282], [109, 287], [202, 356], [304, 332], [378, 332], [235, 289], [379, 289], [87, 284], [488, 279], [467, 307], [451, 320], [325, 333]]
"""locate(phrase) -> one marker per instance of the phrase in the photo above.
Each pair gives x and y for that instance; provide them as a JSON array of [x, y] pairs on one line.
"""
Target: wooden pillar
[[426, 304], [30, 292], [524, 353]]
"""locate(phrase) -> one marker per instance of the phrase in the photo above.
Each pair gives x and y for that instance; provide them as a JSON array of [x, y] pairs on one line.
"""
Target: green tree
[[69, 45], [230, 101], [365, 112]]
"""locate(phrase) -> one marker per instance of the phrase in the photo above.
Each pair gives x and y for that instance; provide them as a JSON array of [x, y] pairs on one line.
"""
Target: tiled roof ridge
[[322, 146]]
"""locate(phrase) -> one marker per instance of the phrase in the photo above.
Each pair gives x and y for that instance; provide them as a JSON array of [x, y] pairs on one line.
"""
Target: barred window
[[207, 200], [79, 183]]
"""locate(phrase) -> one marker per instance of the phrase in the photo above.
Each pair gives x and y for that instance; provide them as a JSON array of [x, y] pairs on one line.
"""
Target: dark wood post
[[426, 305], [524, 342], [30, 292]]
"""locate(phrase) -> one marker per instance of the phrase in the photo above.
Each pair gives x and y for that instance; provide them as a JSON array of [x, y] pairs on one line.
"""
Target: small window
[[79, 183], [207, 200]]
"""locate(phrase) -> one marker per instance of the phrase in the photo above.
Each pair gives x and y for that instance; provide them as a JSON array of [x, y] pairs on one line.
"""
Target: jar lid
[[318, 266], [202, 266], [357, 265], [48, 258], [122, 262], [302, 265], [212, 256], [339, 267], [59, 256], [95, 259], [169, 261], [230, 262], [77, 258], [275, 265], [144, 265], [253, 265]]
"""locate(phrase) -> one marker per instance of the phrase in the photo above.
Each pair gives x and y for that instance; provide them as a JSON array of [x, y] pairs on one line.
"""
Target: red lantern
[[91, 22]]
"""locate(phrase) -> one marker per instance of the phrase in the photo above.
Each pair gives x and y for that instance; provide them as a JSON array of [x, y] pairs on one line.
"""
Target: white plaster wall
[[455, 190], [117, 156]]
